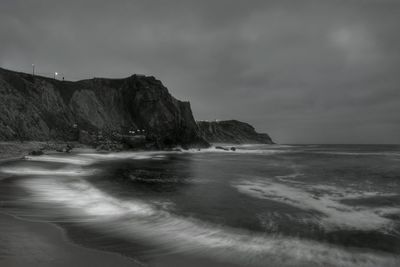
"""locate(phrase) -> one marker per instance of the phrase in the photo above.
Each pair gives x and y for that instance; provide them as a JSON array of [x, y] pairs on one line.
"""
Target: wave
[[124, 155], [333, 214], [83, 197], [70, 159], [134, 218], [237, 151], [46, 172], [85, 159], [89, 157], [343, 153]]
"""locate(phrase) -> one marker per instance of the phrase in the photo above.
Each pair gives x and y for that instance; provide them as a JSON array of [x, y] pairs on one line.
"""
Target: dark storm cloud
[[304, 71]]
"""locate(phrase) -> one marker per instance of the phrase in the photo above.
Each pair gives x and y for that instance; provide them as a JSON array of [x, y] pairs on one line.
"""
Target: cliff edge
[[41, 108]]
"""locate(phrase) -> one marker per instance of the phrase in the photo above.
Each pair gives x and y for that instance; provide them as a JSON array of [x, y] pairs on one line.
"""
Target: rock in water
[[36, 153], [40, 108], [232, 131]]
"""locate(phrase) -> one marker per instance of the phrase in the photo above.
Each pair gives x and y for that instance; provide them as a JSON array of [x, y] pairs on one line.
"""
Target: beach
[[26, 243], [34, 243]]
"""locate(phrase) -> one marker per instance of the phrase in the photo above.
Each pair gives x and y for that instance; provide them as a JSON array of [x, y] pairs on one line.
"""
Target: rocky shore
[[13, 149]]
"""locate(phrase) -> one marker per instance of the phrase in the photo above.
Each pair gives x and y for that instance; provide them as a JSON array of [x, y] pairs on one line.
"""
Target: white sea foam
[[361, 153], [182, 234], [237, 151], [340, 193], [90, 157], [70, 159], [290, 176], [86, 158], [82, 196], [333, 213], [122, 155], [15, 170]]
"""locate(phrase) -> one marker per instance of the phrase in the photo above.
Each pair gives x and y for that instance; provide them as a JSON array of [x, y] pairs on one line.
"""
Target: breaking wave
[[87, 158], [71, 159], [38, 171], [324, 200]]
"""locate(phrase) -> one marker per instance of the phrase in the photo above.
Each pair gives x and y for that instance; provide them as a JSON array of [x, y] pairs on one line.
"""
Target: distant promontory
[[232, 131]]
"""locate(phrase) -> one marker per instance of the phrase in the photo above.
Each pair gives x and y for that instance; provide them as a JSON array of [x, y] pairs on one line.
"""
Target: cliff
[[232, 131], [40, 108]]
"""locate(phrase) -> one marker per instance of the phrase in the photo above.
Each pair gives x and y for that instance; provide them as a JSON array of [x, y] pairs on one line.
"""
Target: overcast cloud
[[303, 71]]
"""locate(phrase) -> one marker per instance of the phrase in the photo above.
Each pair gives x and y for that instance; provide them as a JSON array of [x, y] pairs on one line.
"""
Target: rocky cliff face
[[40, 108], [232, 131]]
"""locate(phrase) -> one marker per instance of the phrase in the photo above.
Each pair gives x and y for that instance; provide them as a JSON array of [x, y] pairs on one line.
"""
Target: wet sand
[[26, 243]]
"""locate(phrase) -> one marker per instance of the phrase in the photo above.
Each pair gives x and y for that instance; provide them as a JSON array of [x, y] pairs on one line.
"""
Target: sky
[[304, 71]]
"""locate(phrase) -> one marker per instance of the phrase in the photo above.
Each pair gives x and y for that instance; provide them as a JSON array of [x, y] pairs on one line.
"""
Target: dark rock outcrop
[[36, 153], [40, 108], [232, 131]]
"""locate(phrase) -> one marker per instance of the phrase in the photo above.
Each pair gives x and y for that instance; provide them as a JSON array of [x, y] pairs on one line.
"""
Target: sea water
[[261, 205]]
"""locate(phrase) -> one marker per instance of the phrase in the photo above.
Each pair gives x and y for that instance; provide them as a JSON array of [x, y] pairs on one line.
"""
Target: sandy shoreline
[[31, 243], [26, 243]]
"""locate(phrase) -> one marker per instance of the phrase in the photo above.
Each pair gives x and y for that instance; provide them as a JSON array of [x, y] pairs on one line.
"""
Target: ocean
[[261, 205]]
